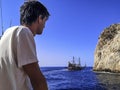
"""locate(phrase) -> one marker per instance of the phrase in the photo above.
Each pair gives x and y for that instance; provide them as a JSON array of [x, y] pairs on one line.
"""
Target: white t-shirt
[[17, 48]]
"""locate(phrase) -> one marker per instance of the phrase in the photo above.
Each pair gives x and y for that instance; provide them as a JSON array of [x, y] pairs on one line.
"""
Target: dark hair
[[30, 11]]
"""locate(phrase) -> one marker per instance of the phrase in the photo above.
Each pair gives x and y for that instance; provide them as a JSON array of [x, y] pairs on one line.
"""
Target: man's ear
[[40, 18]]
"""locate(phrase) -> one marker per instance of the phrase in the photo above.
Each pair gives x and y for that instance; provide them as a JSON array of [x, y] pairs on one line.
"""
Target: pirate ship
[[74, 66]]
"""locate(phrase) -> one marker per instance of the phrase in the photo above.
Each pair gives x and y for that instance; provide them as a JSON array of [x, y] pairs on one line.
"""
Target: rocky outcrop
[[107, 52]]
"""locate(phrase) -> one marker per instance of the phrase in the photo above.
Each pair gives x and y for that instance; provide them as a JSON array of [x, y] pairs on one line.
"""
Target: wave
[[45, 69]]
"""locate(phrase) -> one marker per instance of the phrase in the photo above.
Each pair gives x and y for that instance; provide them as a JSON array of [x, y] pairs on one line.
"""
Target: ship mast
[[79, 62], [73, 60], [1, 17]]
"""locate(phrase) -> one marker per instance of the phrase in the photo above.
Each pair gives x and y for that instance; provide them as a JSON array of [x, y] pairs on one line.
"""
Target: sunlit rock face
[[107, 52]]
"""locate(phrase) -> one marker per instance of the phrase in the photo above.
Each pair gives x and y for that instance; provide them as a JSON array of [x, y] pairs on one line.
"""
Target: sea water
[[59, 78]]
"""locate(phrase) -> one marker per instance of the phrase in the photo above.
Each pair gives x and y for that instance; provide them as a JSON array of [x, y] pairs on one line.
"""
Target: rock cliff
[[107, 52]]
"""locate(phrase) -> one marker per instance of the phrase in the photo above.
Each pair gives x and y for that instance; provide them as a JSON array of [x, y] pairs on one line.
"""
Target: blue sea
[[59, 78]]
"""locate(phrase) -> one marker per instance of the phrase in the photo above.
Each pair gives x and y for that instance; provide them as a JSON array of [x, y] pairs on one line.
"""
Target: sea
[[59, 78]]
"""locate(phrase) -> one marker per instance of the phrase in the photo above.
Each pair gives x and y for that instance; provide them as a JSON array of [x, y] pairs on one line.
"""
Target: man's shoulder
[[9, 31], [18, 31], [11, 28], [24, 30]]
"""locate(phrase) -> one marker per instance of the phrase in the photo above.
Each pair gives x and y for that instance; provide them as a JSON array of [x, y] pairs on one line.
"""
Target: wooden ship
[[73, 66]]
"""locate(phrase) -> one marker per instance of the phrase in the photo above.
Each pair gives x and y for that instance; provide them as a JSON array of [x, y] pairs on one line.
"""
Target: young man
[[19, 69]]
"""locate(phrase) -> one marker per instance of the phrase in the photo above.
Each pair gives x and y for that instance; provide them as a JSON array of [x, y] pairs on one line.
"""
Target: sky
[[72, 29]]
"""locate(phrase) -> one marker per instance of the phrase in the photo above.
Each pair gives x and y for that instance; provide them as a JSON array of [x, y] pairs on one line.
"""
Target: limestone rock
[[107, 52]]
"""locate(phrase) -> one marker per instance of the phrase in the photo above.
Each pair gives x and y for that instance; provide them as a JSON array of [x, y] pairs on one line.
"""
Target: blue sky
[[72, 29]]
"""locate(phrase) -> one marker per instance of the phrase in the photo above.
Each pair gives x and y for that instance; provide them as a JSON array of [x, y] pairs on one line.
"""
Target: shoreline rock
[[107, 52]]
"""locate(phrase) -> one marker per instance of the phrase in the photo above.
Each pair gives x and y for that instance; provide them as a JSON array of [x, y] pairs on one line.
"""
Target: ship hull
[[74, 68]]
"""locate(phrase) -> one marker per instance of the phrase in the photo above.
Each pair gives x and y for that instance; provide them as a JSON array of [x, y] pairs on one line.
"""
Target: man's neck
[[31, 28]]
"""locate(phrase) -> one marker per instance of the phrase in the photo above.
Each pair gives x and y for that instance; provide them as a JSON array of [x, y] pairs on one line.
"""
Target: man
[[19, 69]]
